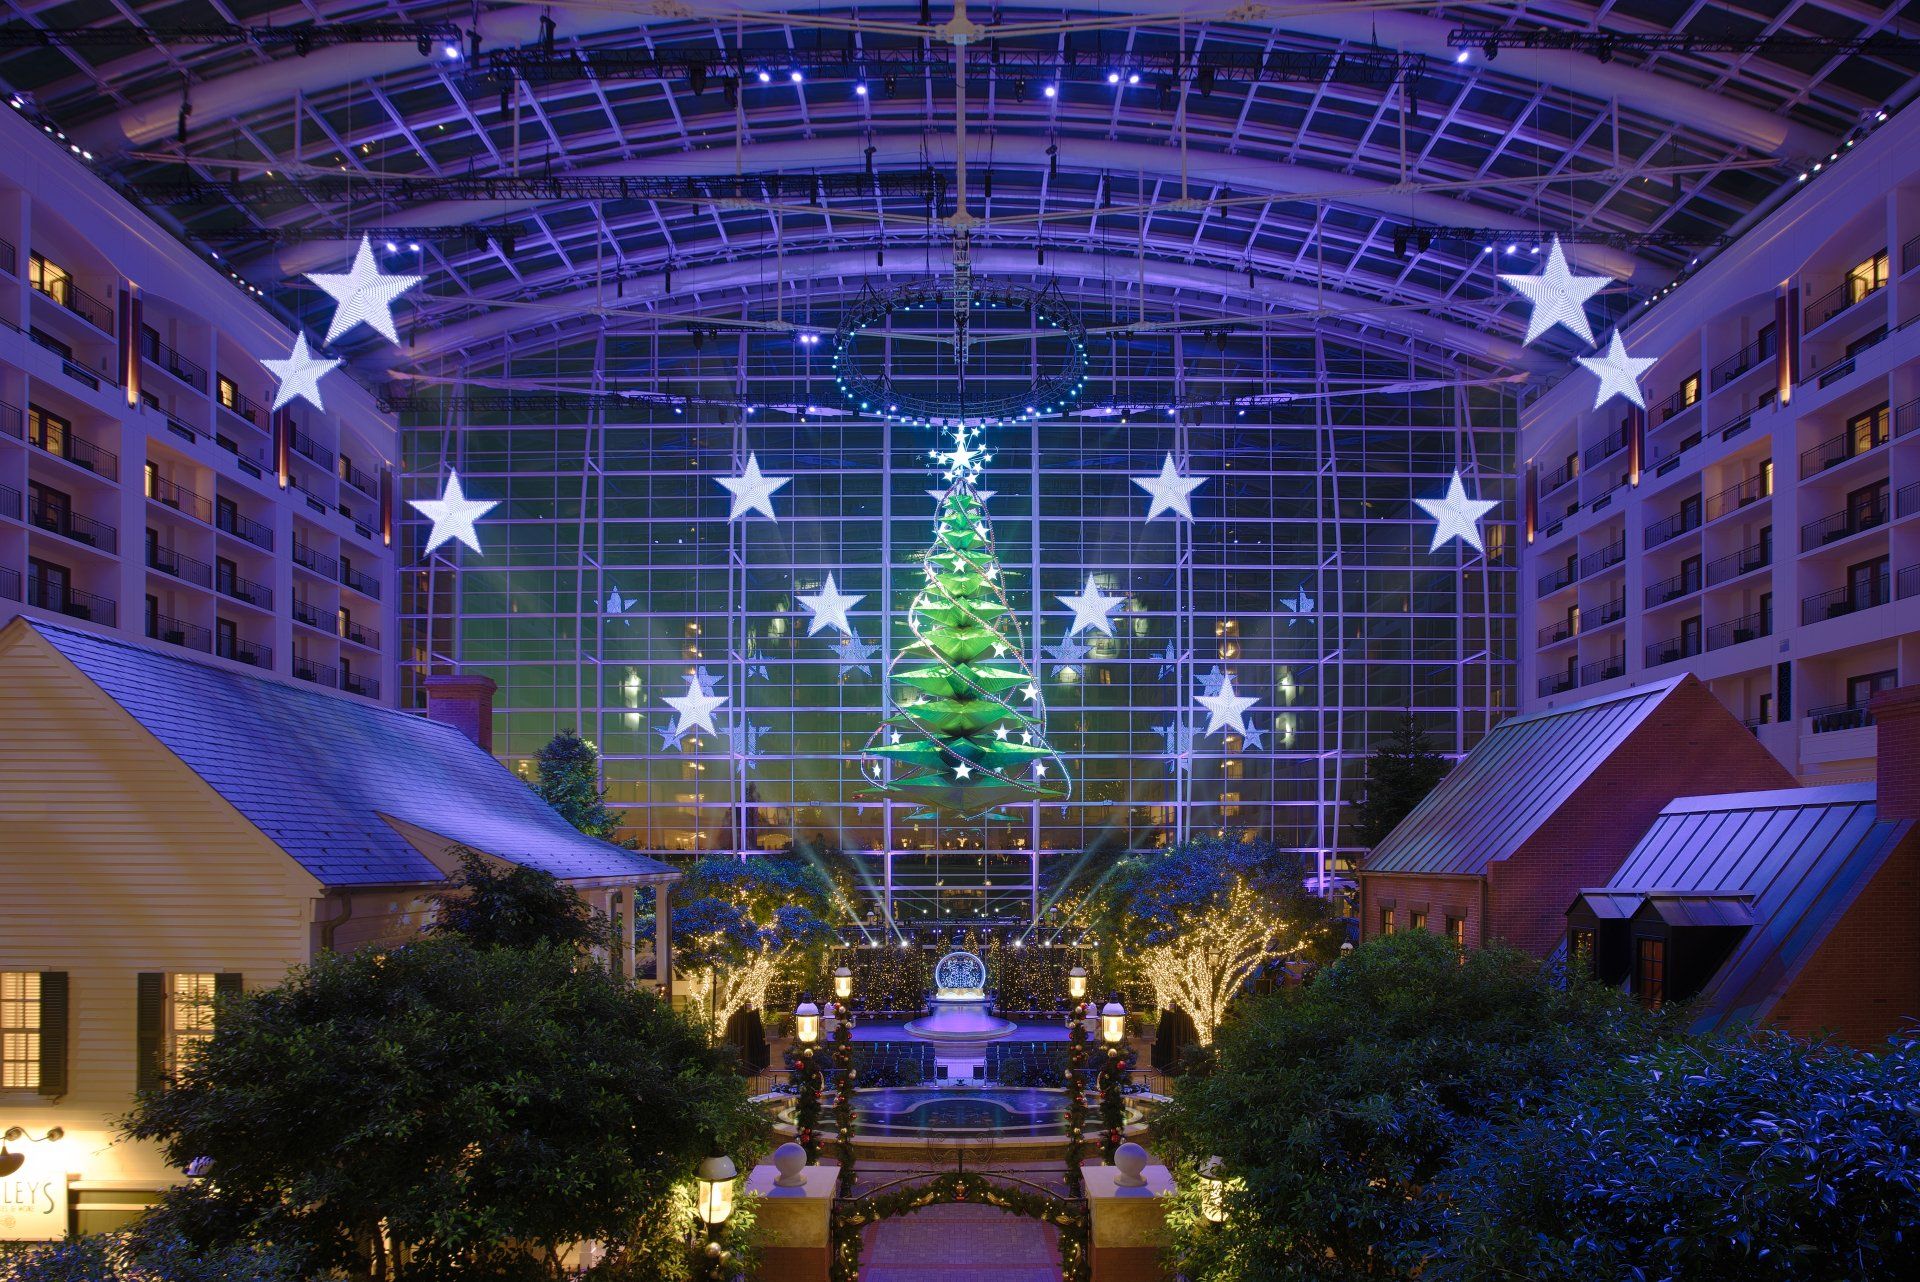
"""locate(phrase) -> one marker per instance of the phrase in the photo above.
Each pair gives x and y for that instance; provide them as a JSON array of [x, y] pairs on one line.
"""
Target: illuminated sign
[[33, 1202]]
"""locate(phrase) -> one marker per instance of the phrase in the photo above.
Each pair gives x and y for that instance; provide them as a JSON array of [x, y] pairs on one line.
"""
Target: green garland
[[1076, 1097], [1068, 1215], [806, 1113], [843, 1095], [1113, 1107]]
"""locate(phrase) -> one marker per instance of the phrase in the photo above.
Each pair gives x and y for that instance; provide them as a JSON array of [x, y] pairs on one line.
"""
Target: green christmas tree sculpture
[[968, 730]]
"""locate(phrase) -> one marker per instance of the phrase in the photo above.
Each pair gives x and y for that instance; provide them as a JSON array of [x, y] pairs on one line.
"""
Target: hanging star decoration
[[758, 672], [1253, 739], [1456, 516], [670, 736], [709, 682], [829, 608], [1211, 680], [743, 742], [1226, 709], [1168, 657], [1299, 605], [300, 374], [1171, 491], [855, 654], [1179, 749], [363, 294], [1558, 296], [618, 605], [1066, 654], [1619, 373], [1091, 609], [695, 707], [453, 515], [752, 491]]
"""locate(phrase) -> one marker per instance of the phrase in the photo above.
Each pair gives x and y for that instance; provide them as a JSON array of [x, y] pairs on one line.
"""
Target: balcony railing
[[1840, 525], [1606, 669], [1673, 587], [1847, 600], [318, 673], [320, 563], [358, 480], [1672, 650], [179, 565], [1752, 557], [305, 612], [1568, 471], [159, 354], [360, 581], [1555, 683], [239, 404], [1604, 613], [247, 590], [1672, 527], [307, 447], [9, 502], [9, 584], [1746, 358], [242, 651], [1906, 417], [1907, 582], [355, 683], [1845, 295], [1679, 403], [1836, 450], [1839, 716], [182, 499], [1832, 372], [254, 465], [179, 632], [1558, 577], [1612, 554], [360, 634], [71, 525], [77, 452], [9, 263], [1606, 447], [243, 527], [1554, 633], [1735, 497], [1748, 627], [82, 304], [71, 602], [12, 421]]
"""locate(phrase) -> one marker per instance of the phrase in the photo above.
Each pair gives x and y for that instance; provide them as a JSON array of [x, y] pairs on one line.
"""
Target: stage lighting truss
[[1044, 317]]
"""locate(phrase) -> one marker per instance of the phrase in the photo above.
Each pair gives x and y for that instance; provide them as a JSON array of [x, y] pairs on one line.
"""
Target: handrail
[[1674, 525], [241, 650], [1840, 298], [1605, 448], [1606, 669], [1736, 496], [1850, 444], [192, 373], [318, 673], [72, 525], [1845, 600], [243, 527], [1672, 650], [179, 497], [161, 627], [1610, 555], [1752, 557], [1748, 627], [1842, 524], [179, 565], [1746, 358], [70, 601]]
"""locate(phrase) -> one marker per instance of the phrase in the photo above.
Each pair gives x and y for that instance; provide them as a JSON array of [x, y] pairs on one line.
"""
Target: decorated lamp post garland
[[1076, 1087], [843, 1078], [1113, 1078], [806, 1075]]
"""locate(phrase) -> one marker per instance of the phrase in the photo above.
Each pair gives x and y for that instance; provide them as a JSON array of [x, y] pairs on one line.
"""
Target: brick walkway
[[960, 1244]]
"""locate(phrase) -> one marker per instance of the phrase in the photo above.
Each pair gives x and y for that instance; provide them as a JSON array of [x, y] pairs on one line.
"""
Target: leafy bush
[[1335, 1104], [1765, 1160], [101, 1257]]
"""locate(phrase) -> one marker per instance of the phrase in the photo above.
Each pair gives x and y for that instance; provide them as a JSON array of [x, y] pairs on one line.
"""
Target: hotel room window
[[19, 1030], [1457, 931]]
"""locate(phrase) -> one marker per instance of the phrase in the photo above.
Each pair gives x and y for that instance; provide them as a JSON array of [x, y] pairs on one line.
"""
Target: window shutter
[[53, 1032], [150, 1030], [226, 984]]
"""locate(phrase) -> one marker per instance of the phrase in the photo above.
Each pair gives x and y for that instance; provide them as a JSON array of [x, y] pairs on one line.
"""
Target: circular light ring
[[870, 391]]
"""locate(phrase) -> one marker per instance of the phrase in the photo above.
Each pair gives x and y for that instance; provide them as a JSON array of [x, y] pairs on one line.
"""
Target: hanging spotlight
[[796, 76], [424, 45], [730, 89], [1050, 92], [1399, 242], [860, 90], [547, 29], [1053, 160], [766, 78], [473, 44], [870, 150], [697, 78], [1492, 49]]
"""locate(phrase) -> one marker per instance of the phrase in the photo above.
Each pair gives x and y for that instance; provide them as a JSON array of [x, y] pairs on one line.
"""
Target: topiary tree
[[441, 1111], [1765, 1159], [744, 924], [567, 777], [1401, 771], [1335, 1105], [1197, 922], [513, 907]]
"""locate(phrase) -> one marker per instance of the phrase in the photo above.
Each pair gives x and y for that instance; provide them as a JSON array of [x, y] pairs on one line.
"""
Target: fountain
[[960, 1025]]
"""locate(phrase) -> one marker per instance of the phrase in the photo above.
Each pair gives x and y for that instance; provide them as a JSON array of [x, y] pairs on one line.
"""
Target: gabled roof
[[321, 775], [1795, 858], [1511, 783]]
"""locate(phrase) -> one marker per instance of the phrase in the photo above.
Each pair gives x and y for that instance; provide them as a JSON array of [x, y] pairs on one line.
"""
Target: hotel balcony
[[70, 601], [243, 651], [68, 524], [1839, 525], [173, 631]]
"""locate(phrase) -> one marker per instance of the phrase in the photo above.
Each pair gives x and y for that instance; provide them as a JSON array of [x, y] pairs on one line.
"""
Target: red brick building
[[1551, 803]]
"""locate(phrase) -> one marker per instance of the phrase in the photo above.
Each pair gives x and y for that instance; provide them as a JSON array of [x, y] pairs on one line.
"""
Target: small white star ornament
[[1091, 609], [1619, 373], [299, 374], [453, 515], [1171, 491], [695, 708], [829, 608], [1456, 516], [363, 295], [752, 491], [1226, 710], [1558, 296]]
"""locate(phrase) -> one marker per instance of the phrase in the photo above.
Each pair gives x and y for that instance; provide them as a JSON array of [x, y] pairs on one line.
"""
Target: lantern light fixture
[[1113, 1021], [806, 1022], [1077, 983], [842, 983], [714, 1189]]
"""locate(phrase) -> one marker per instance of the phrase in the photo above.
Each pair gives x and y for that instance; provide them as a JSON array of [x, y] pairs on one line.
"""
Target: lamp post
[[843, 1072], [842, 983], [806, 1114], [1077, 984], [1113, 1077], [1213, 1190], [1076, 1083], [713, 1204]]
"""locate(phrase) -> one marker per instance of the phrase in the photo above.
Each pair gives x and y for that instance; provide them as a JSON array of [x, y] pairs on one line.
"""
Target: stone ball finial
[[790, 1160], [1130, 1159]]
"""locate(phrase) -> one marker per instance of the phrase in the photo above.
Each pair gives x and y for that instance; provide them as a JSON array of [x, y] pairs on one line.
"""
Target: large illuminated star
[[829, 608], [1091, 609], [751, 491], [1226, 710], [453, 515], [1300, 604], [855, 654], [695, 708], [1558, 296], [1619, 373], [299, 374], [1171, 491], [363, 294], [1456, 516]]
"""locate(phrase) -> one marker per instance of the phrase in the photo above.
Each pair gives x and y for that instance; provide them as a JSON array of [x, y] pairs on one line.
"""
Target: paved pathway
[[960, 1244]]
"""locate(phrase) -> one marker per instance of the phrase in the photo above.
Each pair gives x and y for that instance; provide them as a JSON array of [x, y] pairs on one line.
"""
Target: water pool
[[1004, 1112]]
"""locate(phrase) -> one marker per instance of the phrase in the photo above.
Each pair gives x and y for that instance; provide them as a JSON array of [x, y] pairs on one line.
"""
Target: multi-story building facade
[[1758, 524], [145, 486]]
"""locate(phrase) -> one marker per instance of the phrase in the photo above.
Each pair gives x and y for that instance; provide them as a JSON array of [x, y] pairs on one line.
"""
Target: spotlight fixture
[[424, 44], [765, 78], [547, 29], [1113, 77], [697, 78], [1492, 49], [796, 76], [860, 90], [1463, 55], [451, 52], [1133, 78], [1050, 92]]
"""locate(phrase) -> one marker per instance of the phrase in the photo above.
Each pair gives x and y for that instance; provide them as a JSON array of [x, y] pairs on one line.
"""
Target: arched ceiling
[[1272, 204]]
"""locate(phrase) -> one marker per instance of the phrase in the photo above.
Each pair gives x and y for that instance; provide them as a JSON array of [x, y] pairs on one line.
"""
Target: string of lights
[[1605, 44], [315, 35], [925, 184]]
